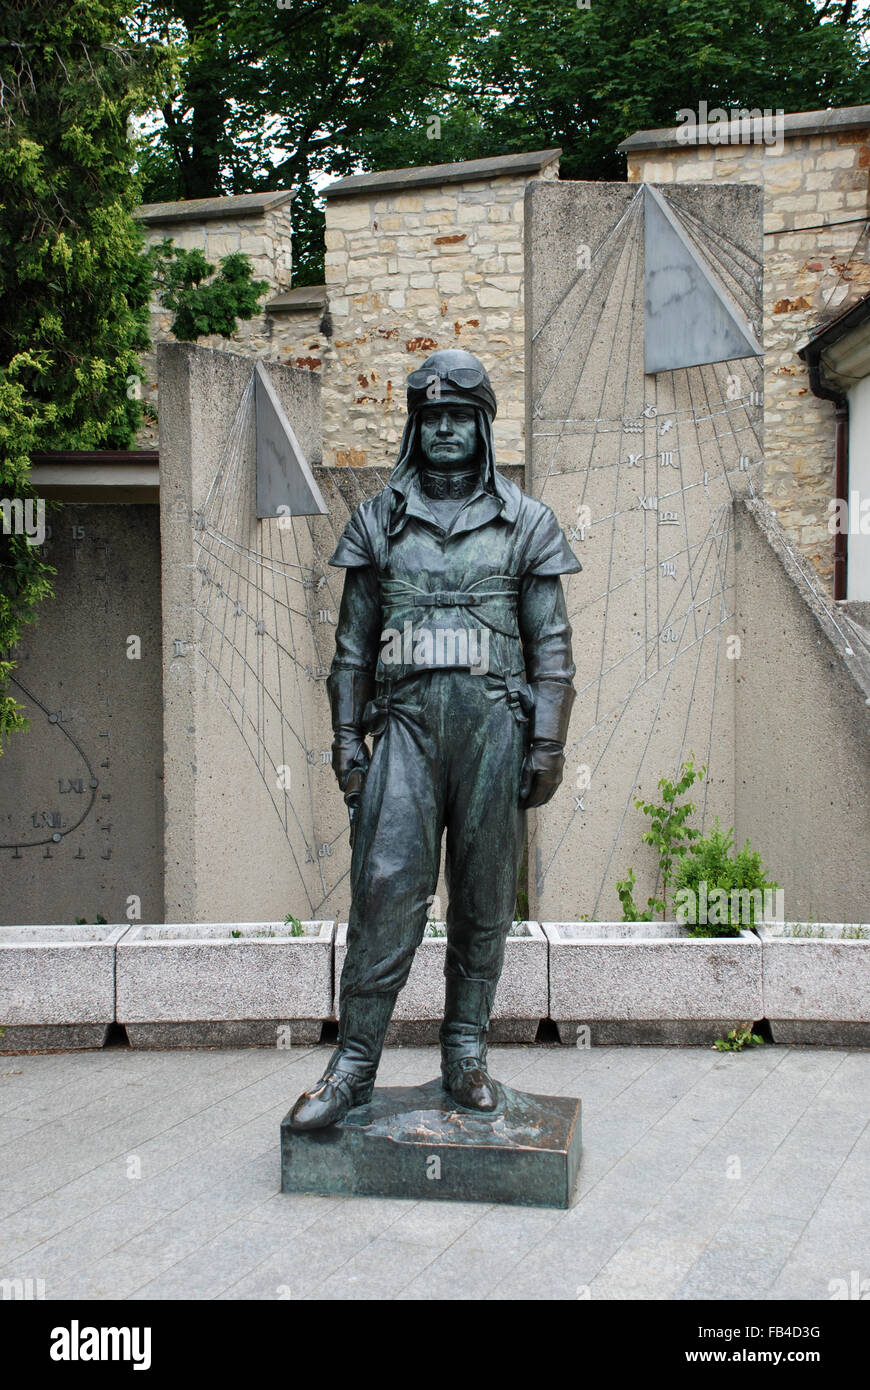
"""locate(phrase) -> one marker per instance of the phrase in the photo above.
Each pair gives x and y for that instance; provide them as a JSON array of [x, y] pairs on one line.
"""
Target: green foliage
[[75, 275], [852, 931], [199, 308], [668, 834], [330, 86], [75, 284], [587, 78], [521, 907], [296, 927], [738, 1039], [712, 862], [351, 84], [630, 911]]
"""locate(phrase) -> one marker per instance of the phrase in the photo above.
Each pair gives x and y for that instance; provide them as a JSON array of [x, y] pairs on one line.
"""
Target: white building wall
[[858, 567]]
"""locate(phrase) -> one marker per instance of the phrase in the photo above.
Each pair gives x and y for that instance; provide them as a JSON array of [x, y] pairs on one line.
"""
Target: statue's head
[[451, 407], [446, 393]]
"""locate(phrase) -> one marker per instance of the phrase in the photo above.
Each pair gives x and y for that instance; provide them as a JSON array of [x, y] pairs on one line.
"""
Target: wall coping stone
[[794, 124], [213, 209], [465, 171], [303, 299]]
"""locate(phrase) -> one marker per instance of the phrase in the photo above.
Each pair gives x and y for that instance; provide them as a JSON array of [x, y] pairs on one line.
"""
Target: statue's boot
[[463, 1043], [350, 1073]]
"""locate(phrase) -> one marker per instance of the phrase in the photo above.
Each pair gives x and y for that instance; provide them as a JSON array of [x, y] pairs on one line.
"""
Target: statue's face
[[448, 435]]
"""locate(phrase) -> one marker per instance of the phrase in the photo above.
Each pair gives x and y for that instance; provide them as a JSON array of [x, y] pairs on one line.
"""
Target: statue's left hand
[[353, 797], [542, 773]]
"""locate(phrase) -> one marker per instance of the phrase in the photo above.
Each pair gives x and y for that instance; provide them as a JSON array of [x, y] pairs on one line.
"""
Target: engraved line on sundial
[[46, 826], [58, 832]]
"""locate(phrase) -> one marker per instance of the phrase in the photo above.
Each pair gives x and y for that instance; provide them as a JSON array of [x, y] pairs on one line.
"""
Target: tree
[[265, 96], [587, 78], [74, 281], [75, 274]]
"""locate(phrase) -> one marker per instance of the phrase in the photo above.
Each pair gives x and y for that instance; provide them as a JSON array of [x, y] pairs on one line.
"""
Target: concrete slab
[[662, 1207]]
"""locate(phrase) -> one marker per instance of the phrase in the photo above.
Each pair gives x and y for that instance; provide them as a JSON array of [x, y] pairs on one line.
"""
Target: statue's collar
[[481, 507], [446, 485]]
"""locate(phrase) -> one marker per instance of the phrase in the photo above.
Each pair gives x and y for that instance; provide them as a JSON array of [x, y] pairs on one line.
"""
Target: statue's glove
[[542, 773], [349, 691], [545, 760], [349, 754]]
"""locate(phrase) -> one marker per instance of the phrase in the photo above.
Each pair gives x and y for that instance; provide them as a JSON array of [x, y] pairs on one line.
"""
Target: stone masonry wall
[[409, 273], [297, 341], [266, 237], [809, 275]]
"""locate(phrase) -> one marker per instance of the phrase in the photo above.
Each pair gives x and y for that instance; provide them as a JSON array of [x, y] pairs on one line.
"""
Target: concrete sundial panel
[[81, 789], [642, 469]]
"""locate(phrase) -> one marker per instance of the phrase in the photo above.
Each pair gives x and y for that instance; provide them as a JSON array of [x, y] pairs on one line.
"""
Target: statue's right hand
[[349, 755]]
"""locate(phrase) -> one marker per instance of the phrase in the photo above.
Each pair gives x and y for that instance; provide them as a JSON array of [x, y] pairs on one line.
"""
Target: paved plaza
[[148, 1175]]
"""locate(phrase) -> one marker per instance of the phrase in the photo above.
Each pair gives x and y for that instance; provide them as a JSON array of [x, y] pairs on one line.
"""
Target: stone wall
[[819, 175], [298, 327], [258, 225], [432, 258]]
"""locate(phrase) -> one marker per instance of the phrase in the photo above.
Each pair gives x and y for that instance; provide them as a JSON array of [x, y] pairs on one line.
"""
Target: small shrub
[[630, 911], [721, 891], [737, 1039], [669, 835]]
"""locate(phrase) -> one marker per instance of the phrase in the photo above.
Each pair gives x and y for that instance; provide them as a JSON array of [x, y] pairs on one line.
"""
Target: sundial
[[258, 632], [641, 468], [645, 407], [80, 790]]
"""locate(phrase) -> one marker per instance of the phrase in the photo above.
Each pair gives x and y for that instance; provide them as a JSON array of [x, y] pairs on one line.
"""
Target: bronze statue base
[[416, 1142]]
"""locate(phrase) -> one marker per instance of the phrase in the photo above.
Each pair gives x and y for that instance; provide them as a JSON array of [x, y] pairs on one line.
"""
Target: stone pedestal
[[416, 1142]]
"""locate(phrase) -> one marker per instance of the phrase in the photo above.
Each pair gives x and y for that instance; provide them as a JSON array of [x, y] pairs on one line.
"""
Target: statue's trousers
[[448, 753]]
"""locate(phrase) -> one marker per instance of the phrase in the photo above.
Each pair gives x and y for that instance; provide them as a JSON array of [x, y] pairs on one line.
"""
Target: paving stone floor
[[149, 1175]]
